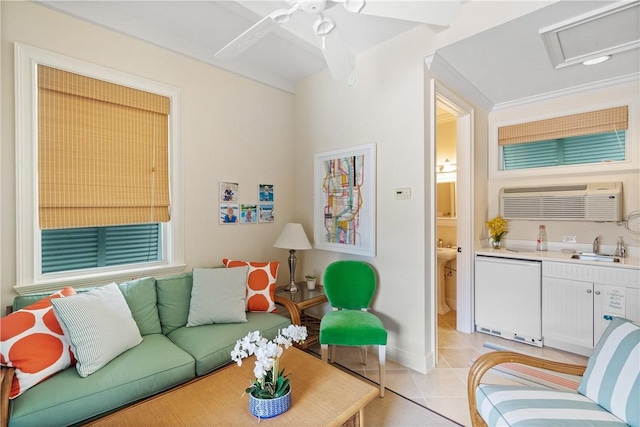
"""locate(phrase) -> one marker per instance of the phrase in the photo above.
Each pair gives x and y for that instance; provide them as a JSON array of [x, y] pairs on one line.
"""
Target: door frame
[[464, 113]]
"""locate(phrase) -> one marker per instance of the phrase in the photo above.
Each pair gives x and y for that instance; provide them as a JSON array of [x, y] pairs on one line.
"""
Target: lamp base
[[291, 287]]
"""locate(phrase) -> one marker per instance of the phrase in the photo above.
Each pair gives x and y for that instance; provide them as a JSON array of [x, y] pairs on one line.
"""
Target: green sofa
[[170, 354]]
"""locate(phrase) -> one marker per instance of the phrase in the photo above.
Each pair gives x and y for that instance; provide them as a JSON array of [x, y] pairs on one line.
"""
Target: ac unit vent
[[589, 202]]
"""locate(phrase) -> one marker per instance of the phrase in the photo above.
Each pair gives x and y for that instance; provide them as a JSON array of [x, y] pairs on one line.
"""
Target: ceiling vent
[[589, 36], [586, 202]]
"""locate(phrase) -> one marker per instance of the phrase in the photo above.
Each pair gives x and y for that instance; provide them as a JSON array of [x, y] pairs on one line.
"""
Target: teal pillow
[[142, 300], [612, 377], [174, 296]]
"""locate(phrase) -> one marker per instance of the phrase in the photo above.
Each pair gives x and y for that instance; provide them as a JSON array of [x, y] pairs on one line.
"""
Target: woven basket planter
[[269, 408]]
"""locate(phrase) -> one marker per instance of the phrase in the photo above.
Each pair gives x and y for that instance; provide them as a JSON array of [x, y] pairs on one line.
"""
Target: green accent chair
[[350, 286]]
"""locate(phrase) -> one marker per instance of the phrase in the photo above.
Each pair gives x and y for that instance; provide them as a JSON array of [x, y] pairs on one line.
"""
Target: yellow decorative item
[[498, 227]]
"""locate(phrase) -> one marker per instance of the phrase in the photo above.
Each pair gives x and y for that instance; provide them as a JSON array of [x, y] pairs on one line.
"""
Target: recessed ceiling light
[[597, 60]]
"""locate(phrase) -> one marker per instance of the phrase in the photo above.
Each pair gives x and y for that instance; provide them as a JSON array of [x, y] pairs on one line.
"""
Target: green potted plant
[[311, 281]]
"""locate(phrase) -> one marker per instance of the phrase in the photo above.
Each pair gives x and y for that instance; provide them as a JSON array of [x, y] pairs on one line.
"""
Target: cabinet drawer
[[627, 277]]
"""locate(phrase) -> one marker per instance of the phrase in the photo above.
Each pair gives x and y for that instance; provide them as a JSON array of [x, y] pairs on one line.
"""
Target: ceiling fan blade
[[436, 12], [341, 62], [253, 34]]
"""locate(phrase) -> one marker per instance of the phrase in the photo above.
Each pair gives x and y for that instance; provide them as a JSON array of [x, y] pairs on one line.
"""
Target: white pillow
[[99, 325], [218, 295]]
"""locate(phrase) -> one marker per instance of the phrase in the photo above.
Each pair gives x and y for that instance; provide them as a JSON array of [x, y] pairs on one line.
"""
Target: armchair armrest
[[489, 360], [6, 378]]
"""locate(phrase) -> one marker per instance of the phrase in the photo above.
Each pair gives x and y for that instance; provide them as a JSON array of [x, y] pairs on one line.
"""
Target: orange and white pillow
[[261, 284], [32, 341]]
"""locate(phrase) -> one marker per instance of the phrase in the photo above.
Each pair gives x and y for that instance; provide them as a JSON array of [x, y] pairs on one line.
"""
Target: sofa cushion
[[142, 300], [211, 345], [153, 366], [612, 377], [261, 284], [218, 295], [524, 406], [99, 325], [32, 341], [174, 297]]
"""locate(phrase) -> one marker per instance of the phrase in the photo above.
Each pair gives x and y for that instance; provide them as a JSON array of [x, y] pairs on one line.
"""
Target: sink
[[444, 255], [596, 257], [447, 254]]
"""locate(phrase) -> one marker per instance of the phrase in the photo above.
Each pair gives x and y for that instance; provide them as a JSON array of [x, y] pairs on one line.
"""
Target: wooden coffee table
[[322, 395]]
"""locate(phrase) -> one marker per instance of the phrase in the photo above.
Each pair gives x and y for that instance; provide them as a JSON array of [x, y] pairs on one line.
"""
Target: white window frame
[[551, 110], [28, 244]]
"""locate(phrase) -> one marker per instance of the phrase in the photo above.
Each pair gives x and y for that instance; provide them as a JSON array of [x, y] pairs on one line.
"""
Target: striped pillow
[[612, 378], [99, 325]]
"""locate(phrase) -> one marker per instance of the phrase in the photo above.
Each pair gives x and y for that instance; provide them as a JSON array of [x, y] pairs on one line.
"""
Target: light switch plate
[[403, 193], [568, 239]]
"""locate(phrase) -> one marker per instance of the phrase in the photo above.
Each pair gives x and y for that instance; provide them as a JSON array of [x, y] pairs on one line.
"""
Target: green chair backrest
[[349, 284]]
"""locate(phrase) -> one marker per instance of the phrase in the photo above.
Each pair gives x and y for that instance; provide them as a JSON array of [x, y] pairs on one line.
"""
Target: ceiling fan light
[[598, 60]]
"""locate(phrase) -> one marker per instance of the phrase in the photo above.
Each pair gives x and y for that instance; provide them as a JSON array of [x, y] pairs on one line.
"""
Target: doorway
[[461, 114]]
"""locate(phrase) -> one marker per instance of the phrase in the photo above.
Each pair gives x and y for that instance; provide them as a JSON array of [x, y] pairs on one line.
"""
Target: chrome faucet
[[596, 245]]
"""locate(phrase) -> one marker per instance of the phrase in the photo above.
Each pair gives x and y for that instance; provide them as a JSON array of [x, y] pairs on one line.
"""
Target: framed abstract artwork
[[345, 200]]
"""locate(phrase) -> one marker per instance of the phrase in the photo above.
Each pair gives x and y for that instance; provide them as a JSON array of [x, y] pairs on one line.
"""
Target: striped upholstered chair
[[608, 395]]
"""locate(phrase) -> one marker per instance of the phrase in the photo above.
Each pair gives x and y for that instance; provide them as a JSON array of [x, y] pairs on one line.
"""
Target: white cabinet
[[575, 299]]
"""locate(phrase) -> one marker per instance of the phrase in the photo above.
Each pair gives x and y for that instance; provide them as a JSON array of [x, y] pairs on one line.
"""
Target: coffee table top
[[322, 395]]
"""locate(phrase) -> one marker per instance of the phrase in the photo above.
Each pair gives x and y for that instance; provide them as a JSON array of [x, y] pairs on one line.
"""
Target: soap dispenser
[[621, 250]]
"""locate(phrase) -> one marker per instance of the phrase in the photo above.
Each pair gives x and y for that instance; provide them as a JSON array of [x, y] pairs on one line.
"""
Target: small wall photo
[[265, 193], [267, 213], [228, 191], [229, 213], [248, 214]]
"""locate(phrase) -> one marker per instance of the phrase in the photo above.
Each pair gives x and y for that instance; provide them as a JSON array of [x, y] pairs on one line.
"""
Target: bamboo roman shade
[[610, 120], [102, 152]]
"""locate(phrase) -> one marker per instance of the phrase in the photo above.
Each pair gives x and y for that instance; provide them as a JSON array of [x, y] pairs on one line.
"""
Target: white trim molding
[[29, 278]]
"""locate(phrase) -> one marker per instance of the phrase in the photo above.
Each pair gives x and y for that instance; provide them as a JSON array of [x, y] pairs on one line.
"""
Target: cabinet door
[[567, 311], [615, 301]]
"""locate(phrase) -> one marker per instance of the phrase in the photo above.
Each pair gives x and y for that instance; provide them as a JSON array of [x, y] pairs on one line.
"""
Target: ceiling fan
[[340, 61]]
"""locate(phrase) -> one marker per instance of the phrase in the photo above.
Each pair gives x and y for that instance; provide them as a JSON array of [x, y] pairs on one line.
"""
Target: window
[[586, 138], [126, 233], [578, 150], [69, 249]]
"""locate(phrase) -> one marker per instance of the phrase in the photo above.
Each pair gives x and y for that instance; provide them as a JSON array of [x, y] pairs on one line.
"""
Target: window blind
[[102, 153], [594, 122], [565, 151], [92, 247]]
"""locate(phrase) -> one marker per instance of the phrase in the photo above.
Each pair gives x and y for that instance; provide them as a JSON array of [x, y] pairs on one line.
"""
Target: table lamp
[[293, 238]]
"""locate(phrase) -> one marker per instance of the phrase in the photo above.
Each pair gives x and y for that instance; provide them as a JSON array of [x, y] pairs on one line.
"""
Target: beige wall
[[234, 129]]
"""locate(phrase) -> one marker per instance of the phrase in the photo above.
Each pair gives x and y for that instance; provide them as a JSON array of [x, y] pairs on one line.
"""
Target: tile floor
[[444, 389]]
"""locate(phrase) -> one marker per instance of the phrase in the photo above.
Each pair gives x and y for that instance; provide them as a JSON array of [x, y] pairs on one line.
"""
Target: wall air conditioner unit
[[587, 202]]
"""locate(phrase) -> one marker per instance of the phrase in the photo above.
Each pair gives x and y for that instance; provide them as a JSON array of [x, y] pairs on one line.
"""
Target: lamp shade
[[292, 237]]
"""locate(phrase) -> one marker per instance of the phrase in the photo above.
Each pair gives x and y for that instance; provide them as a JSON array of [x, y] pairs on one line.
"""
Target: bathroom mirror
[[446, 200]]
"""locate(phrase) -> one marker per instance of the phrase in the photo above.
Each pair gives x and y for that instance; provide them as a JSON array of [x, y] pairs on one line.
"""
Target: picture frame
[[345, 200], [267, 213], [229, 191], [248, 213], [229, 213], [265, 193]]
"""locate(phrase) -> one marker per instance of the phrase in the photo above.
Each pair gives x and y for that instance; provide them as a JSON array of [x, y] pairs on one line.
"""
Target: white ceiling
[[504, 64]]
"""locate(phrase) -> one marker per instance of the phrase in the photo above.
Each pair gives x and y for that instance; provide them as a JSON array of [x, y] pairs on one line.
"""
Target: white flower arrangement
[[269, 382]]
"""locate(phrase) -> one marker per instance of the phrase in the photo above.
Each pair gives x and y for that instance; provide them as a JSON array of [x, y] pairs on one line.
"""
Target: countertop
[[629, 262]]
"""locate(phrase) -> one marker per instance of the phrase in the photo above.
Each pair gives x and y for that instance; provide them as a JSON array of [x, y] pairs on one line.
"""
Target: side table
[[299, 301]]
